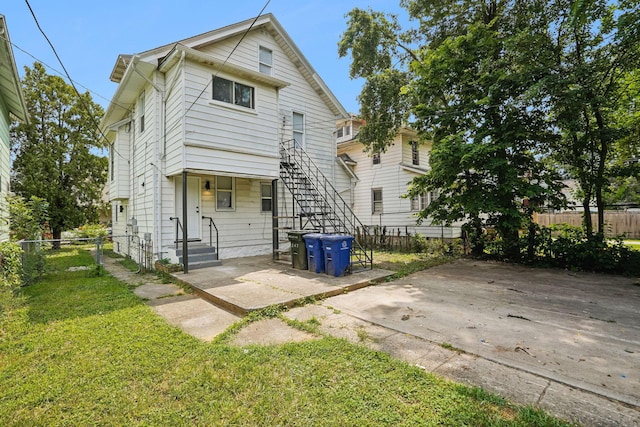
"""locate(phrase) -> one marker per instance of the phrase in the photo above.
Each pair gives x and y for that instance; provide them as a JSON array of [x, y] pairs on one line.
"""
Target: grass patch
[[129, 264], [405, 264], [82, 350]]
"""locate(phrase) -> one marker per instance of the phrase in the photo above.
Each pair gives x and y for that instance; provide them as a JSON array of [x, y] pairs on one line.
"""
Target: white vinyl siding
[[228, 139], [119, 187]]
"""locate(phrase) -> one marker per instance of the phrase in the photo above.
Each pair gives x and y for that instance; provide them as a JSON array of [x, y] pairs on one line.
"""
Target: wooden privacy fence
[[615, 223]]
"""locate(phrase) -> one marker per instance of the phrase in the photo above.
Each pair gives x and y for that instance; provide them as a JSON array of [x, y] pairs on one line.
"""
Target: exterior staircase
[[320, 207]]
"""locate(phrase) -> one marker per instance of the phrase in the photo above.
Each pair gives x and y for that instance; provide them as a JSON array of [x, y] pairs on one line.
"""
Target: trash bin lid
[[312, 236], [298, 232], [335, 237]]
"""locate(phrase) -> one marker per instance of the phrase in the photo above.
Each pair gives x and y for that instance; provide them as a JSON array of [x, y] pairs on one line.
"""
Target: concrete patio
[[242, 285]]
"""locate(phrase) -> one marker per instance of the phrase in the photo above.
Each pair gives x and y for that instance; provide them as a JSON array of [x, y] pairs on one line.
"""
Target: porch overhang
[[201, 172]]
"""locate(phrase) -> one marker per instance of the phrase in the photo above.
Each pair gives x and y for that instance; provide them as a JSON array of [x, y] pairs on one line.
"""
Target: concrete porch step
[[204, 264]]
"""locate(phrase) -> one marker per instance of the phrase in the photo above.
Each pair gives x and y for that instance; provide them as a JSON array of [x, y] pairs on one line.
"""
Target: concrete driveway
[[577, 330]]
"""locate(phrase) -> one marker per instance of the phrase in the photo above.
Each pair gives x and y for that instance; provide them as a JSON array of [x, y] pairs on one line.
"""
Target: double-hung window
[[298, 130], [225, 199], [265, 197], [265, 60], [415, 154], [233, 92], [423, 200], [141, 106], [376, 201]]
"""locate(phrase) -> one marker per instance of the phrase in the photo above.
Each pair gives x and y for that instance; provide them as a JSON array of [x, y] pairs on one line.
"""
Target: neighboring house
[[374, 184], [11, 105], [198, 130]]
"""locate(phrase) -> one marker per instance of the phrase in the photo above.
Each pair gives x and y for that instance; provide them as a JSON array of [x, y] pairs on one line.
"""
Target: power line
[[71, 81], [219, 68]]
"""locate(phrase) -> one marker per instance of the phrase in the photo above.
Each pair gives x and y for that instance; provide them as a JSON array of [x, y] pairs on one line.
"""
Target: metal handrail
[[315, 180], [178, 225], [217, 233]]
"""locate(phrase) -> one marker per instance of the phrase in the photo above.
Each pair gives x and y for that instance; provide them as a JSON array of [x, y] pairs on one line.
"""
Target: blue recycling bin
[[337, 254], [315, 258]]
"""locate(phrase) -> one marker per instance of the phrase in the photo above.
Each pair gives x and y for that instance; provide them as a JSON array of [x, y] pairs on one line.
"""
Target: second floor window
[[415, 154], [298, 130], [233, 92], [141, 111]]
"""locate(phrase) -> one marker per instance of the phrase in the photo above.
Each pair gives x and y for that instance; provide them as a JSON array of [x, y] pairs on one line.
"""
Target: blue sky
[[89, 35]]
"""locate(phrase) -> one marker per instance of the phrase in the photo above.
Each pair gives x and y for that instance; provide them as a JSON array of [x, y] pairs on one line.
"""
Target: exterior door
[[193, 206]]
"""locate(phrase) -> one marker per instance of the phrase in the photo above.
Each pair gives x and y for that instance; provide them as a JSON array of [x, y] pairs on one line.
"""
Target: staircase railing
[[212, 223], [178, 226], [319, 201]]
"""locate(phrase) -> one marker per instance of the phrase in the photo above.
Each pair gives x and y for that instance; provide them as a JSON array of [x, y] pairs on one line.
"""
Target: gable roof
[[10, 86], [191, 45]]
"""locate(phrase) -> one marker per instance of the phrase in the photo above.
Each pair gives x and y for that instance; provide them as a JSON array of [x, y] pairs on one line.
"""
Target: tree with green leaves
[[590, 88], [27, 218], [56, 154], [462, 86]]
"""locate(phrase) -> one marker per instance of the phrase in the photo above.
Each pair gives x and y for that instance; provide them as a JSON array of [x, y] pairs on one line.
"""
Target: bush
[[566, 246], [91, 231], [11, 270], [33, 263]]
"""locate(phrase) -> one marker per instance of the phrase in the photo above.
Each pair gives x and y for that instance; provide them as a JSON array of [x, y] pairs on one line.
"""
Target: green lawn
[[81, 349]]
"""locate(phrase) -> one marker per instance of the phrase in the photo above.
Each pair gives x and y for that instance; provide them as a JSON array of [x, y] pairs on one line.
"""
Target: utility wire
[[62, 74], [219, 68], [71, 81]]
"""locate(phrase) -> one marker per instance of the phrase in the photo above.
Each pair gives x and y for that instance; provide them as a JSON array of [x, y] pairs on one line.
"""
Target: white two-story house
[[197, 129], [375, 183], [11, 105]]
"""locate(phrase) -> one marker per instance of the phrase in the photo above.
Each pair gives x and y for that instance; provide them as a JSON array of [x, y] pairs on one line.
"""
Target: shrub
[[91, 231], [33, 263], [11, 270]]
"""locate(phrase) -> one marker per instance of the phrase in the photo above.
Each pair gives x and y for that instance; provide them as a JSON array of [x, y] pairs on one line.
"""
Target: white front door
[[193, 206]]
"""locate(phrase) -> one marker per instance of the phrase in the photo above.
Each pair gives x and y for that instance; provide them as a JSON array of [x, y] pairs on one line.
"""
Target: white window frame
[[423, 200], [265, 64], [141, 110], [230, 191], [297, 130], [232, 97], [415, 153], [263, 198], [377, 206]]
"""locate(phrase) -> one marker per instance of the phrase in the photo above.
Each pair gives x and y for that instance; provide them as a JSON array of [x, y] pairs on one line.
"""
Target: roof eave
[[15, 99]]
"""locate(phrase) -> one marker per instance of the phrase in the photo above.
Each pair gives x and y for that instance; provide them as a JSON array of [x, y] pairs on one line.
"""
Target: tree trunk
[[57, 234]]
